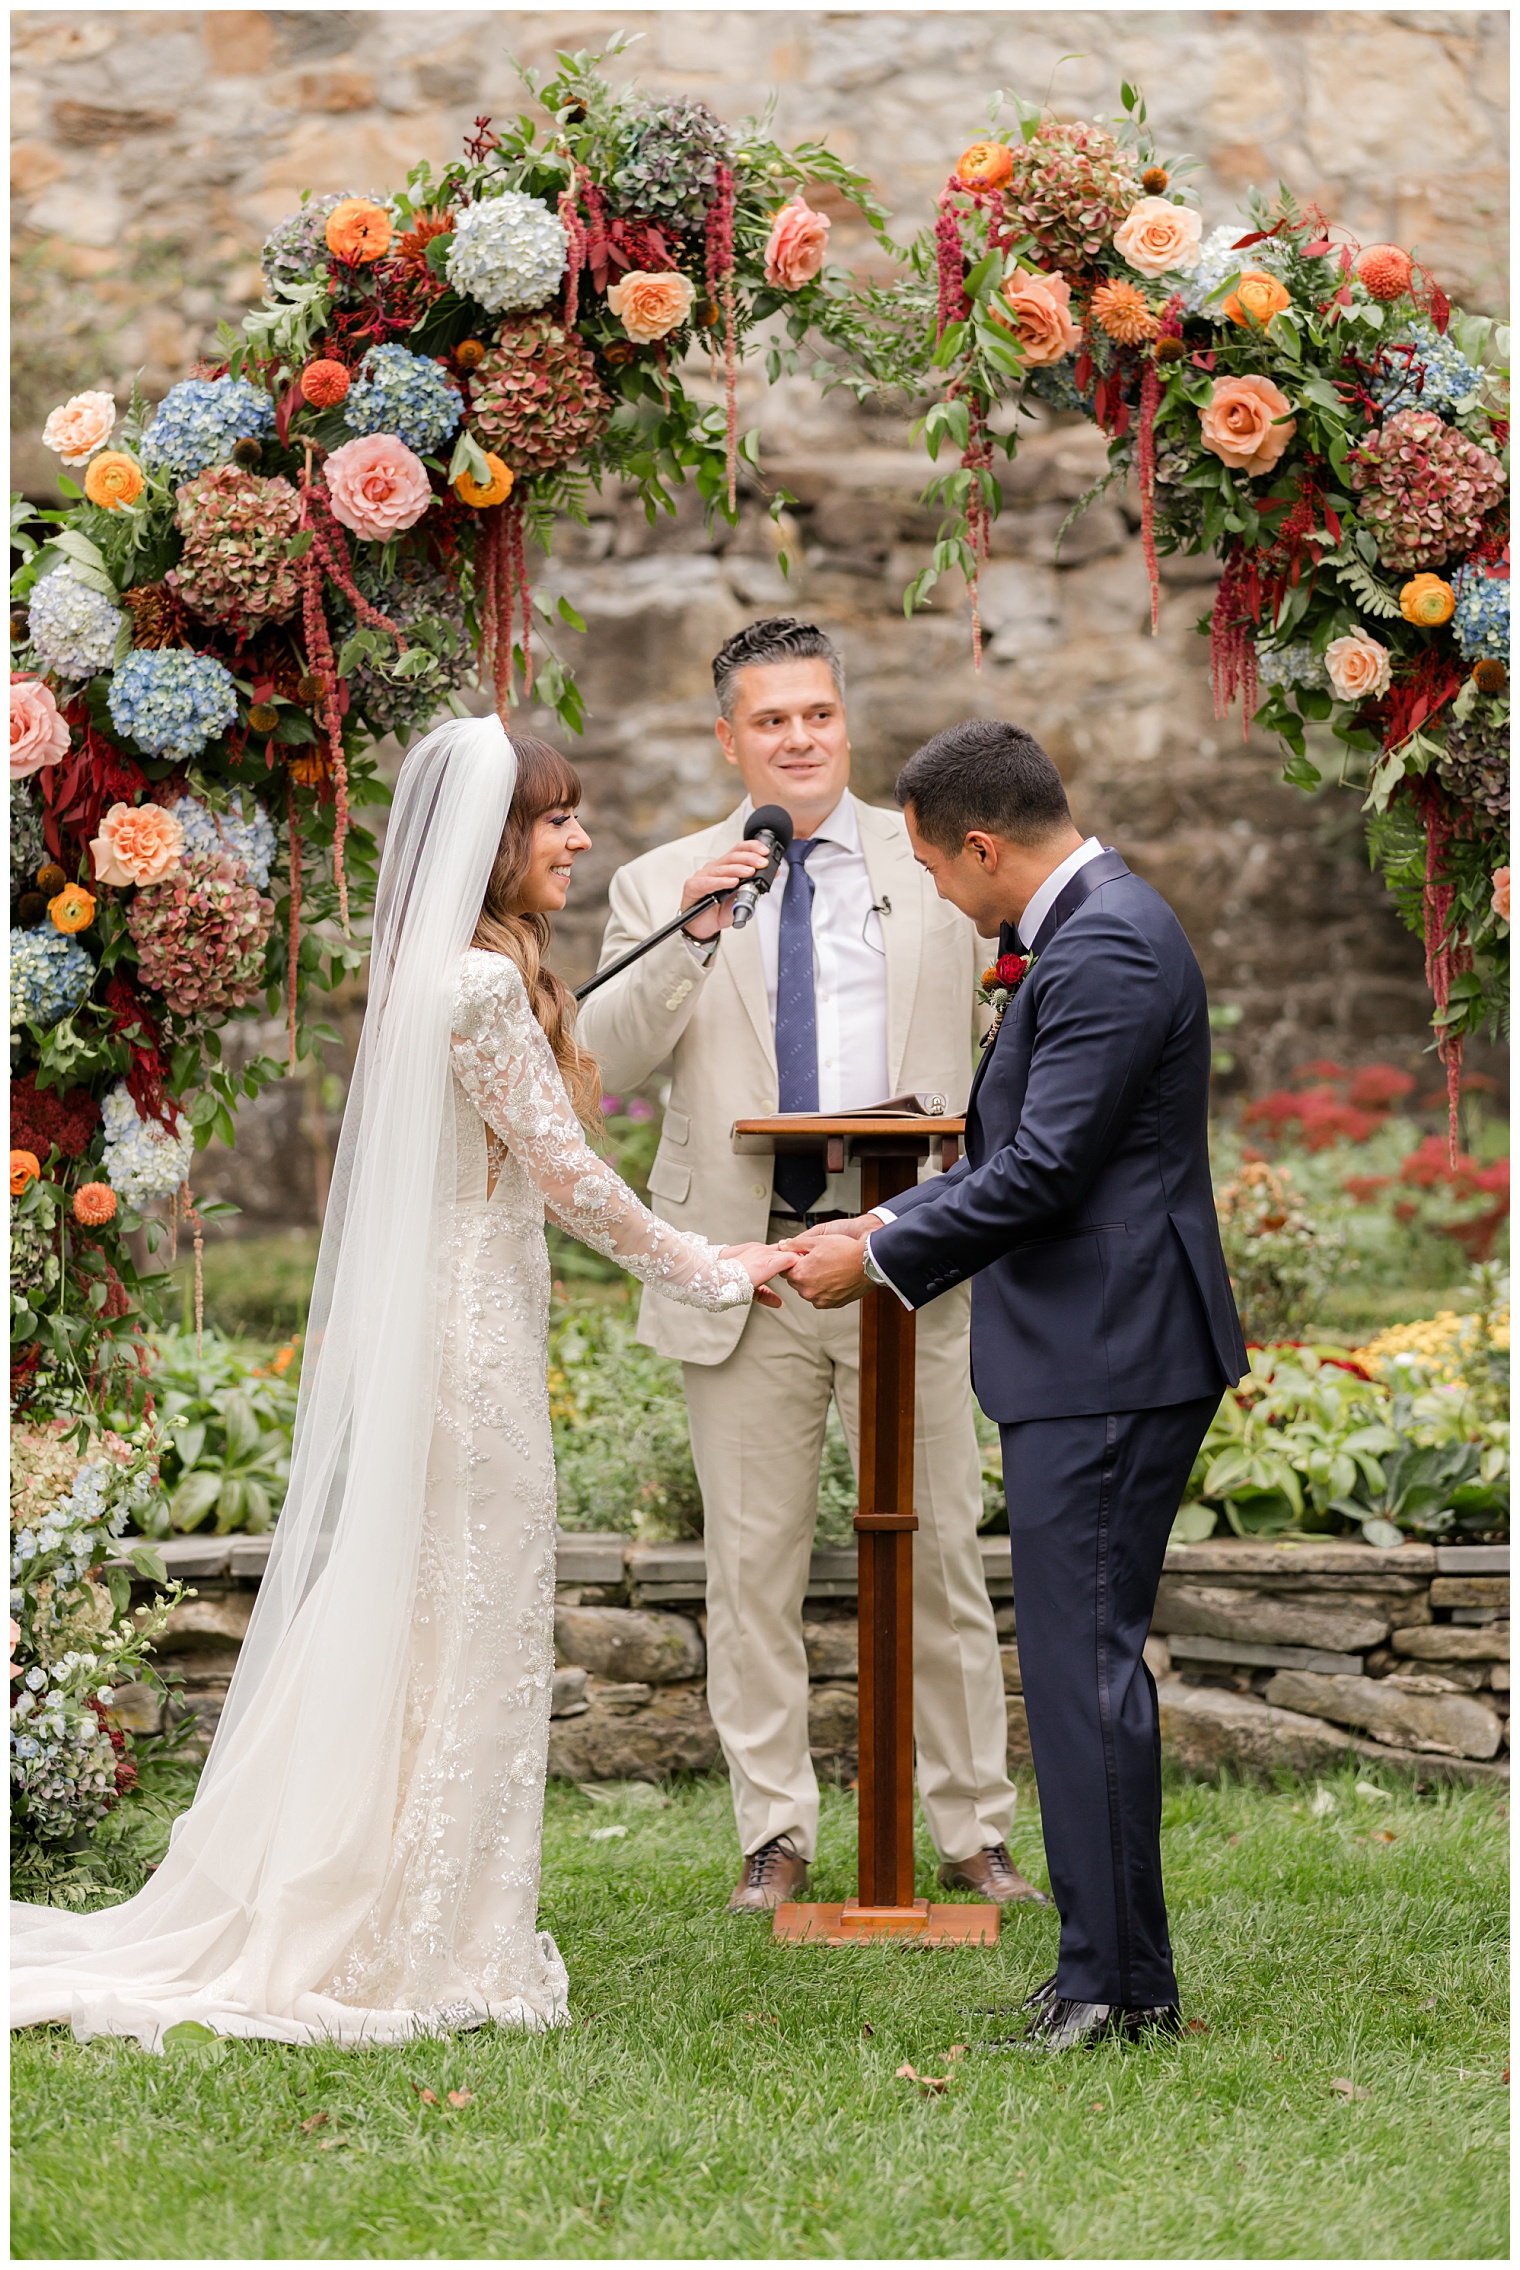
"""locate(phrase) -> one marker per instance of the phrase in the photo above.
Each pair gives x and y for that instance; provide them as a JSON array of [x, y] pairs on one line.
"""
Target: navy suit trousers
[[1091, 1501]]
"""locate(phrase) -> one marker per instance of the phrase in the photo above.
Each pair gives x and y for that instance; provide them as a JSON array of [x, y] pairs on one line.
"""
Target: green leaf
[[148, 1562], [300, 544], [468, 455], [1194, 1523]]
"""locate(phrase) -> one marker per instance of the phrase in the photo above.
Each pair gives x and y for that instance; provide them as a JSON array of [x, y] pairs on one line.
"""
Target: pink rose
[[1040, 309], [378, 487], [1158, 237], [39, 735], [81, 427], [1359, 668], [1500, 899], [651, 304], [1240, 425], [798, 241], [137, 843]]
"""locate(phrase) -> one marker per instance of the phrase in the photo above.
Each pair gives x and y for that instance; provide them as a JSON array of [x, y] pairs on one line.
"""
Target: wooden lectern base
[[845, 1923]]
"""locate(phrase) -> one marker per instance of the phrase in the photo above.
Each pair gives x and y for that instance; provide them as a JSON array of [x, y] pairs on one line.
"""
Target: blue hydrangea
[[143, 1161], [397, 392], [508, 253], [200, 420], [50, 975], [246, 830], [73, 627], [1481, 622], [1218, 258], [1296, 664], [1436, 375], [170, 701]]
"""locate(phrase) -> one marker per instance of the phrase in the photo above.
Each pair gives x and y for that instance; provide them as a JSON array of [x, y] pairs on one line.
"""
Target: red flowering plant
[[1001, 979]]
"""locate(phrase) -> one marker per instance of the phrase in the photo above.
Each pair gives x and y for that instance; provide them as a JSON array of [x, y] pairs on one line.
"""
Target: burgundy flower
[[1011, 968]]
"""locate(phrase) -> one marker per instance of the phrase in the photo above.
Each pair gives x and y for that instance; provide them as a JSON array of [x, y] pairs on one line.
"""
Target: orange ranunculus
[[1256, 298], [651, 303], [1039, 311], [359, 231], [1427, 601], [26, 1168], [1240, 423], [94, 1204], [986, 165], [114, 479], [471, 492], [73, 909]]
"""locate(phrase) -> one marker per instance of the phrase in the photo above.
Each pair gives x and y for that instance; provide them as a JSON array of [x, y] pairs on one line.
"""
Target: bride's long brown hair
[[546, 782]]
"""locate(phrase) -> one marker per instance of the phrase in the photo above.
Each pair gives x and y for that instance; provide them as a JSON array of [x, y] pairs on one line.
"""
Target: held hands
[[831, 1261], [763, 1262], [725, 873]]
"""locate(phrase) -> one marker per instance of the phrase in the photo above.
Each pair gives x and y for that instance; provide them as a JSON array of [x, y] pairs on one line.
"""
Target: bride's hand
[[763, 1262]]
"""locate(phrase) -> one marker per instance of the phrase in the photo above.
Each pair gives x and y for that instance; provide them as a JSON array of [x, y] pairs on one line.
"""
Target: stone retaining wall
[[1267, 1656]]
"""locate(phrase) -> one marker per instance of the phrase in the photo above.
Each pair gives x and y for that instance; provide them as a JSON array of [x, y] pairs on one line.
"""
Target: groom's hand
[[859, 1225], [832, 1272], [725, 873]]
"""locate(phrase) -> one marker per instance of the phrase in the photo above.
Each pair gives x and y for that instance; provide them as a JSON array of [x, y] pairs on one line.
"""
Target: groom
[[1103, 1328]]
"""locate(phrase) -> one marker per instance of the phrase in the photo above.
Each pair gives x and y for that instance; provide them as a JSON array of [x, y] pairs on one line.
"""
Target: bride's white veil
[[273, 1867]]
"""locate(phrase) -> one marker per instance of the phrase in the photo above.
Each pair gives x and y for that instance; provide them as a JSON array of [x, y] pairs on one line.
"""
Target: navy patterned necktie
[[800, 1176]]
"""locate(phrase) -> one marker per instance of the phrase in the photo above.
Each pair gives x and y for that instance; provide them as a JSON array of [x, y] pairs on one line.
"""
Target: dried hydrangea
[[1070, 189], [1424, 489], [235, 567], [668, 161], [410, 396], [1475, 766], [429, 608], [1480, 623], [295, 250], [1424, 369], [200, 935], [73, 628], [1295, 664], [170, 701], [507, 253], [199, 422], [142, 1161], [28, 844], [244, 831], [50, 975], [34, 1257], [536, 400]]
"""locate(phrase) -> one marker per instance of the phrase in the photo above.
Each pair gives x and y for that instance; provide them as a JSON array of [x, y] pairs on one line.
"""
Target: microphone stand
[[636, 953]]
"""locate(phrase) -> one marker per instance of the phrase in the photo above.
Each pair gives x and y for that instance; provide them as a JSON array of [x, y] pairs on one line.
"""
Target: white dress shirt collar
[[1050, 890], [841, 826]]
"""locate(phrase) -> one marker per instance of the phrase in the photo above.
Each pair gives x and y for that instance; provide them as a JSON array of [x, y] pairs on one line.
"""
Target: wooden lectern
[[888, 1151]]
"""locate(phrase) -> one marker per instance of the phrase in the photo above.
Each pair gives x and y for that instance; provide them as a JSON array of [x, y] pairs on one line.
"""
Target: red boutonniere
[[1000, 982]]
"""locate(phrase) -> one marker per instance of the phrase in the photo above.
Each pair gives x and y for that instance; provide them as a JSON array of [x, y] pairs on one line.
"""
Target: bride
[[361, 1862]]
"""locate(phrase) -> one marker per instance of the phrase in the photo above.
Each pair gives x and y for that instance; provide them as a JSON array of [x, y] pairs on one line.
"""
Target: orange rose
[[651, 306], [113, 479], [359, 231], [1256, 298], [798, 241], [1039, 308], [1240, 423], [137, 843], [986, 165], [26, 1168], [1360, 668], [94, 1204], [470, 492], [1158, 237]]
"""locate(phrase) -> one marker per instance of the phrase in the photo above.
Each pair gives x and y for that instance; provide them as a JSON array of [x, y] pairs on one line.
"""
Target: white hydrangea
[[508, 253], [143, 1161], [73, 628]]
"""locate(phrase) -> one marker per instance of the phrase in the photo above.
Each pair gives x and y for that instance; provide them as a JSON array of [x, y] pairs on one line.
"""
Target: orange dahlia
[[114, 479], [1124, 313], [26, 1168], [324, 383], [94, 1204], [473, 493], [358, 230], [73, 909], [427, 224], [1386, 270]]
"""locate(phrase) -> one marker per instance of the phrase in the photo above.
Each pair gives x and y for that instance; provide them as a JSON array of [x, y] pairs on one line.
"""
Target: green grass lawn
[[719, 2095]]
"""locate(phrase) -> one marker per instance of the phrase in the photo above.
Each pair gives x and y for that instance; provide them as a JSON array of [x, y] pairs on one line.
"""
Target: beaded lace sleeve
[[506, 1067]]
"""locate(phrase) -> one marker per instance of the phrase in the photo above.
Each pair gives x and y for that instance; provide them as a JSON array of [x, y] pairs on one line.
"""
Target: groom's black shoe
[[1061, 2024]]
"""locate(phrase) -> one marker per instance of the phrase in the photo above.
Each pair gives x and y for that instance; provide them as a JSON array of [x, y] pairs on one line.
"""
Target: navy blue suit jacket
[[1083, 1207]]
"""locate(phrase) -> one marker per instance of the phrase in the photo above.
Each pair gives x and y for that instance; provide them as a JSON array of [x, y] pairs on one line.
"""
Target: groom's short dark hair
[[983, 774]]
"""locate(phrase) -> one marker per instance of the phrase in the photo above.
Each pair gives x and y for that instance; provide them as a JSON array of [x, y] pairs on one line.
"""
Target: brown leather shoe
[[992, 1873], [774, 1872]]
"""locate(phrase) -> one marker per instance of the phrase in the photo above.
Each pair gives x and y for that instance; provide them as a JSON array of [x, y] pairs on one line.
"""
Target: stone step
[[1191, 1647]]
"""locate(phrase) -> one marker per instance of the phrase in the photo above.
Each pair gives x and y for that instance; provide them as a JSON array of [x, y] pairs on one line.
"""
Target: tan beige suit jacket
[[714, 1026]]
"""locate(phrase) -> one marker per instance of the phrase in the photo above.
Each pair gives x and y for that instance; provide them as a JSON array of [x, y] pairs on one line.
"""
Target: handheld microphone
[[772, 827]]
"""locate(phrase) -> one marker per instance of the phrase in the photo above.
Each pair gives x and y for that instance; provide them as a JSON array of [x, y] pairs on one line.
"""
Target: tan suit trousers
[[757, 1424]]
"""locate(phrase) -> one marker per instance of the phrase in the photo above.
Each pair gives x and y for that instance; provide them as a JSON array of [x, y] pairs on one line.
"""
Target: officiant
[[854, 983]]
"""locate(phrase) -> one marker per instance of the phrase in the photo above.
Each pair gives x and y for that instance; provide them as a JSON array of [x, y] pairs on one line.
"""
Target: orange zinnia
[[1256, 298], [73, 909], [471, 492], [94, 1204], [358, 230], [26, 1168], [113, 479]]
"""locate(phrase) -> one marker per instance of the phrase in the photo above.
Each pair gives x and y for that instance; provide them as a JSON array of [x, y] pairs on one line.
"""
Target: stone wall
[[153, 150], [1268, 1657]]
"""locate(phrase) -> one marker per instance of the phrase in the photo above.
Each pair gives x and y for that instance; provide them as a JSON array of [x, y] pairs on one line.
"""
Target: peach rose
[[39, 735], [81, 427], [1256, 298], [1359, 668], [798, 241], [1240, 423], [1158, 237], [1039, 308], [378, 486], [651, 306], [1500, 900], [137, 843]]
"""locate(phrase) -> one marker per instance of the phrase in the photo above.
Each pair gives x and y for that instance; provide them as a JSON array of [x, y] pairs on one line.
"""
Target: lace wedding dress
[[361, 1861]]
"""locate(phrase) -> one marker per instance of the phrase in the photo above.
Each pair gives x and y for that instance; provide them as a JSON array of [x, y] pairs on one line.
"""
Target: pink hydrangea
[[201, 935], [1424, 489], [39, 735], [378, 486]]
